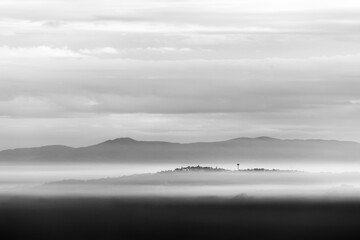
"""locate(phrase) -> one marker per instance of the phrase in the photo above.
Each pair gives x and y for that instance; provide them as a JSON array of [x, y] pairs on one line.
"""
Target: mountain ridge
[[132, 140], [129, 150]]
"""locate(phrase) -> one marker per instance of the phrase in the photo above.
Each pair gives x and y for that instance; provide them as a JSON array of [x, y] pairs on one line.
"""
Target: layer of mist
[[108, 181]]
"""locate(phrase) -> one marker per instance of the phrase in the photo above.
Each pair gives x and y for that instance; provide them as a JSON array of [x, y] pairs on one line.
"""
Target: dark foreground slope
[[164, 218]]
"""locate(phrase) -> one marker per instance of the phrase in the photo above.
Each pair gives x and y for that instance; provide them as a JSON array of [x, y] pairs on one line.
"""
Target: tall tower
[[238, 166]]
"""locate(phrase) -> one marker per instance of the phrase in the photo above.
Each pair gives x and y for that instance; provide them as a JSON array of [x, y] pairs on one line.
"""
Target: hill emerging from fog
[[200, 181], [193, 175], [244, 150]]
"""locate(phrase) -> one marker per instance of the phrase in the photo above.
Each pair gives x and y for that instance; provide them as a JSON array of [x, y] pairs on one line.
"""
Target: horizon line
[[215, 141]]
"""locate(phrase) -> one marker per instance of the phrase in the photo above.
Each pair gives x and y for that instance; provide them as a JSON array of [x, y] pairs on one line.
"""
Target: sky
[[78, 72]]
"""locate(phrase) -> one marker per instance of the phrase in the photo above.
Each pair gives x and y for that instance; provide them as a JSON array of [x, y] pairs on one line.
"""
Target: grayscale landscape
[[179, 119]]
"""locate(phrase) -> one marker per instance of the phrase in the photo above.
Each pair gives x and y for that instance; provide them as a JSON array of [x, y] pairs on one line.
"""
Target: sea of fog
[[315, 181]]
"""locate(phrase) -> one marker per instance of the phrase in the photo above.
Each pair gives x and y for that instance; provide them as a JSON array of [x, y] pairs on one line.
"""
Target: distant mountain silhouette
[[244, 150]]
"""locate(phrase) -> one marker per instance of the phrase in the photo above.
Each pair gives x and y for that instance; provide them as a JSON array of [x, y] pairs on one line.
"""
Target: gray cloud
[[113, 86], [177, 69]]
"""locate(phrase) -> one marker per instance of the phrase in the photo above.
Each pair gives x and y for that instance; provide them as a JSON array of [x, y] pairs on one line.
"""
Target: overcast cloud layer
[[77, 72]]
